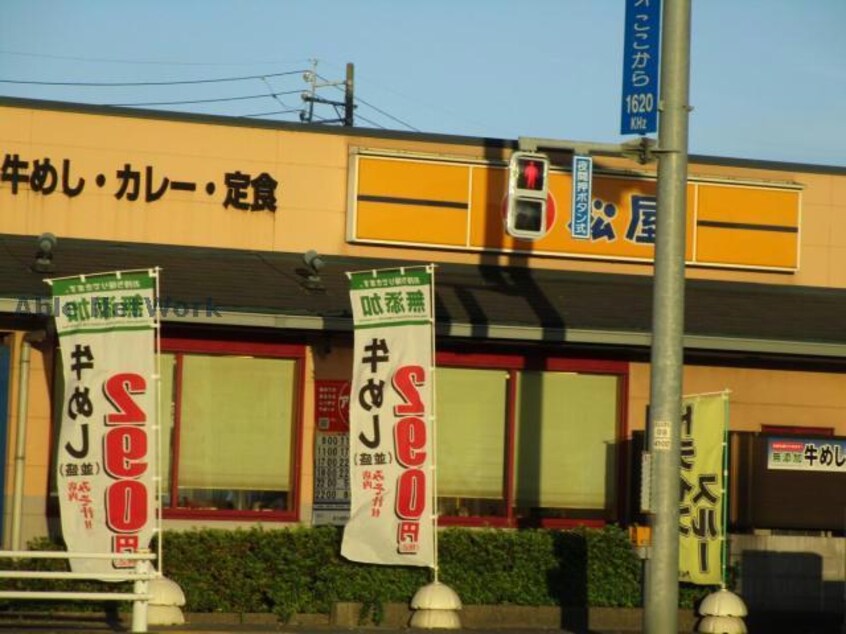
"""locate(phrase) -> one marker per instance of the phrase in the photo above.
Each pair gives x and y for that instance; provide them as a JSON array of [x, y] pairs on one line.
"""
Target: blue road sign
[[641, 51], [580, 216]]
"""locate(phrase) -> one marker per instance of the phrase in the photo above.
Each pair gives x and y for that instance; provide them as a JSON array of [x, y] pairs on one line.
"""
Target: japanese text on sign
[[106, 450], [43, 176], [640, 67], [390, 458], [581, 215], [806, 454], [331, 452], [701, 489], [699, 495]]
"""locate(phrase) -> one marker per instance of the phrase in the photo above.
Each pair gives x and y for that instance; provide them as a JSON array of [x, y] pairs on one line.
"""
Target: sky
[[767, 77]]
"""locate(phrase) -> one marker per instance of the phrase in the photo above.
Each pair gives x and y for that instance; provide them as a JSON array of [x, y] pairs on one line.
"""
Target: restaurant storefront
[[542, 365]]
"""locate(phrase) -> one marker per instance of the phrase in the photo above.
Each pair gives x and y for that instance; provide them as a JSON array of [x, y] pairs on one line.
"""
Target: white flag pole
[[433, 426], [435, 605], [157, 324]]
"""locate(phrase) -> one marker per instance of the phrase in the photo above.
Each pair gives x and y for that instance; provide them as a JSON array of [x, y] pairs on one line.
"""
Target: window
[[566, 439], [471, 441], [796, 430], [527, 442], [230, 443]]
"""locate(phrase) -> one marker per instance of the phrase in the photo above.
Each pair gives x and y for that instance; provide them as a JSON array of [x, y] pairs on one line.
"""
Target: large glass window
[[528, 441], [230, 436], [566, 442], [471, 441]]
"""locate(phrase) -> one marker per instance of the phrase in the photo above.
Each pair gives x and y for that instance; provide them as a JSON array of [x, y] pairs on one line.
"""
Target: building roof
[[374, 133], [228, 287]]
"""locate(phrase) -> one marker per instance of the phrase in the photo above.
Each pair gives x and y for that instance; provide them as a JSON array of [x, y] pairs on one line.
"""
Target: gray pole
[[349, 105], [662, 571]]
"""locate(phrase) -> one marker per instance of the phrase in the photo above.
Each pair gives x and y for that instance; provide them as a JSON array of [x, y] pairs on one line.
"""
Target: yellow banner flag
[[701, 528]]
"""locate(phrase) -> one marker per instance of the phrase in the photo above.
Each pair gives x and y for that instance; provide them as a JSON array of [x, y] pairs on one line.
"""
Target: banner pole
[[433, 425], [158, 352], [725, 487]]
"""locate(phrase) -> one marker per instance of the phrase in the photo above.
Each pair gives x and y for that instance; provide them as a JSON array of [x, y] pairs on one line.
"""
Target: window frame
[[513, 363], [796, 430], [295, 352]]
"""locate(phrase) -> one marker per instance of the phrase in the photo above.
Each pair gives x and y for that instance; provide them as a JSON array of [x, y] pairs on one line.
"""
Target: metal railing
[[140, 575]]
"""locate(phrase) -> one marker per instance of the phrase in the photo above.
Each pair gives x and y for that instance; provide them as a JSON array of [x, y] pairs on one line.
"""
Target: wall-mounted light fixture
[[314, 264], [44, 255]]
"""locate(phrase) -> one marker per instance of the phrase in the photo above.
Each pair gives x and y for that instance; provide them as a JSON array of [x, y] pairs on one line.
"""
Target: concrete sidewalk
[[97, 624], [100, 623]]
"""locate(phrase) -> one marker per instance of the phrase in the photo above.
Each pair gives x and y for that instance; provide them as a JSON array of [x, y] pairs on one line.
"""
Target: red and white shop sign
[[391, 484], [107, 450]]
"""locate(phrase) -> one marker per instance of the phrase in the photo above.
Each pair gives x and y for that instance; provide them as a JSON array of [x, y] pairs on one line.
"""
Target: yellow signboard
[[702, 489], [460, 205]]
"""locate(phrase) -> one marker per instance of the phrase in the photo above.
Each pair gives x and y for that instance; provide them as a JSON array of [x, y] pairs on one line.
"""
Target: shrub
[[286, 571]]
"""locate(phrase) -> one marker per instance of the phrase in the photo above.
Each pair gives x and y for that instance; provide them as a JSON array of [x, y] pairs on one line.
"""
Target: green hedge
[[300, 570]]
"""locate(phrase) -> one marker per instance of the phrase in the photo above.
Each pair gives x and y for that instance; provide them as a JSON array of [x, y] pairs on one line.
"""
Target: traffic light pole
[[661, 585], [661, 588], [641, 150]]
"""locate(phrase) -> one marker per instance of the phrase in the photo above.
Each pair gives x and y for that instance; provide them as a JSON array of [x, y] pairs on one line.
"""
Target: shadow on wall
[[781, 586]]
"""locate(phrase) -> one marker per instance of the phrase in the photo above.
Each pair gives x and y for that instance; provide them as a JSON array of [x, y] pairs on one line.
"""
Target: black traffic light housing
[[528, 175]]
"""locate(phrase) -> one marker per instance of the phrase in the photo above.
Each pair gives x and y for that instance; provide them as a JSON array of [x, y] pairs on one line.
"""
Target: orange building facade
[[542, 347]]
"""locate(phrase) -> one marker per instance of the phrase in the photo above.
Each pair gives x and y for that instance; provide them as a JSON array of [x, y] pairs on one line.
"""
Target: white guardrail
[[140, 575]]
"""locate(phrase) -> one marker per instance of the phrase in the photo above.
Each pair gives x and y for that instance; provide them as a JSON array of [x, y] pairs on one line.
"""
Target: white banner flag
[[107, 451], [391, 516]]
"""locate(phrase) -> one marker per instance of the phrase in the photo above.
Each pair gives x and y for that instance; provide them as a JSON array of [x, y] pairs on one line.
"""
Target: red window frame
[[514, 363], [795, 430], [179, 346]]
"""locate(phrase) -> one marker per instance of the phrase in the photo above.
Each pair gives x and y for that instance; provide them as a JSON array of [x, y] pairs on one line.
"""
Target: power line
[[148, 62], [102, 84], [190, 101], [275, 112], [373, 123], [277, 99], [263, 77], [417, 101], [380, 111]]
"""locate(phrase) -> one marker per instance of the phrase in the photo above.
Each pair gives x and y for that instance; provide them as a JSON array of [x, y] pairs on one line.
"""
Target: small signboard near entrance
[[331, 453]]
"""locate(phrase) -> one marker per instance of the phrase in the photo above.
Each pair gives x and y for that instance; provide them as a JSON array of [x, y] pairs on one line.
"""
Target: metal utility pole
[[311, 98], [661, 599], [349, 106]]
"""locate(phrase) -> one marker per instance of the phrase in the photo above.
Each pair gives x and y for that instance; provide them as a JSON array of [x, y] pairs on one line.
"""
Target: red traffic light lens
[[530, 174]]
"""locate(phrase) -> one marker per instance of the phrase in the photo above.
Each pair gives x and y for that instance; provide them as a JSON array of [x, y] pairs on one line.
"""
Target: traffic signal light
[[526, 216]]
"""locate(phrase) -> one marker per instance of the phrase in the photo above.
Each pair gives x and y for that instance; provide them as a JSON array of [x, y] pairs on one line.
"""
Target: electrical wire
[[277, 99], [150, 62], [373, 123], [107, 84], [379, 110], [264, 78], [275, 112], [192, 101], [382, 112]]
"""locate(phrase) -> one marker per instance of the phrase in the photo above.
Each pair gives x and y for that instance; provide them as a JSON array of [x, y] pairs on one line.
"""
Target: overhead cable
[[379, 110], [190, 101], [106, 84], [275, 112]]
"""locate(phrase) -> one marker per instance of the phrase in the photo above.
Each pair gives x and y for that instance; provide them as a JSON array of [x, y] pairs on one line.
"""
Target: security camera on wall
[[313, 260], [44, 255]]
